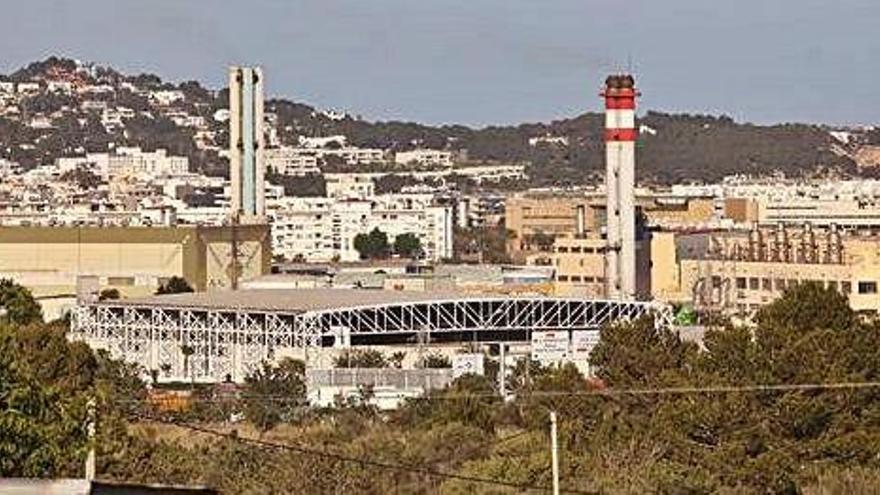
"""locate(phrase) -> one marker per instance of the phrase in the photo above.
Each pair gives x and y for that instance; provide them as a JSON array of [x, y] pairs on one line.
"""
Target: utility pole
[[554, 452], [502, 371], [91, 457]]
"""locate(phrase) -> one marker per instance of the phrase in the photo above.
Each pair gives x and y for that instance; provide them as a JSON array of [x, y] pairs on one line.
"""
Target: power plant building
[[740, 271]]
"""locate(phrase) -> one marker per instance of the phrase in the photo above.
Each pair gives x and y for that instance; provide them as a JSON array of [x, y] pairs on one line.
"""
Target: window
[[562, 278], [576, 250], [846, 287], [562, 249], [766, 284], [120, 281], [575, 278], [753, 283], [740, 283], [867, 287], [832, 284]]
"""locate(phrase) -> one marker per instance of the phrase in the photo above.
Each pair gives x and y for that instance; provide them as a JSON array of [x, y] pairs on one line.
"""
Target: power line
[[356, 460], [606, 392]]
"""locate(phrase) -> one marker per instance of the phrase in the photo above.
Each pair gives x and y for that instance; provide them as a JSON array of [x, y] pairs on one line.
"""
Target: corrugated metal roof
[[294, 300]]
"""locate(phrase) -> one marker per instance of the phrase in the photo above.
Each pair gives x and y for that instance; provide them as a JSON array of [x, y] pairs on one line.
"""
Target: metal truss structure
[[212, 344]]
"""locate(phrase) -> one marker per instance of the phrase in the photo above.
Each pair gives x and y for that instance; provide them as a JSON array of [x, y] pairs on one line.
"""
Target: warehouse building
[[54, 261]]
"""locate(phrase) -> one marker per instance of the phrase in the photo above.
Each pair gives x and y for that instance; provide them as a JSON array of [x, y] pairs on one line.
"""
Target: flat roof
[[296, 300]]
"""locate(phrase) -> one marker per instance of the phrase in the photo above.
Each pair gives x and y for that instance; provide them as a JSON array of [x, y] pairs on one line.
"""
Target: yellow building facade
[[742, 271], [135, 260]]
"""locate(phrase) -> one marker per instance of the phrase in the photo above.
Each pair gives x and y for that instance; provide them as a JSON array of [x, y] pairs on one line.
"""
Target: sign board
[[341, 337], [463, 364], [582, 344], [550, 346]]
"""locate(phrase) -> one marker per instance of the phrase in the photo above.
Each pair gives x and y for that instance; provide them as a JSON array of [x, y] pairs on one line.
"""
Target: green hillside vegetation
[[685, 147]]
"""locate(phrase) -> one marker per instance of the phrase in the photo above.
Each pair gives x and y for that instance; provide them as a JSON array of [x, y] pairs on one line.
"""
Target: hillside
[[673, 148]]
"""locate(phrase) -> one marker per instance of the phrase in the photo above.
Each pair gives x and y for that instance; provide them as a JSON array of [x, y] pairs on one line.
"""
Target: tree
[[109, 295], [373, 245], [275, 393], [360, 358], [18, 303], [408, 245], [82, 178], [174, 285]]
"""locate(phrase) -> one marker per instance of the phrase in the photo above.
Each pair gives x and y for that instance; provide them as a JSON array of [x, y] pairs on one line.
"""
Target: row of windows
[[780, 284], [579, 279], [578, 249]]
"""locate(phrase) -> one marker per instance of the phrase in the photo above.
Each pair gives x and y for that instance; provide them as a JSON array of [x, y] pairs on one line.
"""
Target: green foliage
[[312, 185], [109, 295], [284, 386], [174, 285], [408, 245], [360, 358], [45, 385], [19, 305], [373, 245]]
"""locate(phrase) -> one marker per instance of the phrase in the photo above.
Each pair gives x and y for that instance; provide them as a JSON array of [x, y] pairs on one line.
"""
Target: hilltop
[[671, 148]]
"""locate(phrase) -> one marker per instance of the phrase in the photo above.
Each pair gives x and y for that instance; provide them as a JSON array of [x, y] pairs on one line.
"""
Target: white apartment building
[[322, 142], [166, 97], [424, 158], [324, 229], [349, 186], [291, 161], [354, 156], [850, 203], [134, 161], [127, 161], [28, 88], [302, 160]]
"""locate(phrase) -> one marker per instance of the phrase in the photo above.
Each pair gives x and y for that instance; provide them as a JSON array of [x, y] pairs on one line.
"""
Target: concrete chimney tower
[[620, 160], [246, 168]]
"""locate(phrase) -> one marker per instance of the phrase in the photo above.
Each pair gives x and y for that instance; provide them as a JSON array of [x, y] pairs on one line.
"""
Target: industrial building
[[530, 216], [739, 271], [53, 261], [232, 332]]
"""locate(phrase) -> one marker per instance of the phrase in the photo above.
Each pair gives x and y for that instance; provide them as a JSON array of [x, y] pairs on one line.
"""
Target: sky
[[482, 62]]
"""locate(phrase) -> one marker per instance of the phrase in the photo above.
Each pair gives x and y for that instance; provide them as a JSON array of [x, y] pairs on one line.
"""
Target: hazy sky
[[485, 61]]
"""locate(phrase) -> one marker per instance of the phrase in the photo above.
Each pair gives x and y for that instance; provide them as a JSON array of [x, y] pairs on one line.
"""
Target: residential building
[[424, 158], [323, 229], [349, 186], [291, 161]]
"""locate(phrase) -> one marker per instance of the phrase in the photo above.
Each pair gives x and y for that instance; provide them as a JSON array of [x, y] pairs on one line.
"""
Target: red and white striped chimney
[[620, 136]]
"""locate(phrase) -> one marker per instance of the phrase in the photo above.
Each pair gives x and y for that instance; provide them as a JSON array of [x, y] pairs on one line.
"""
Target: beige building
[[578, 264], [50, 261], [534, 220], [741, 271]]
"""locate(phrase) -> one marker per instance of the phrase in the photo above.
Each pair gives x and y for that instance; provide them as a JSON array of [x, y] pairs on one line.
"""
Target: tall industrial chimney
[[246, 168], [620, 135]]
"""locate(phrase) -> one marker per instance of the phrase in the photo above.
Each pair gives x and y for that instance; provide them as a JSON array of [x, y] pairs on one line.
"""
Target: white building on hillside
[[291, 161], [322, 142], [424, 158]]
